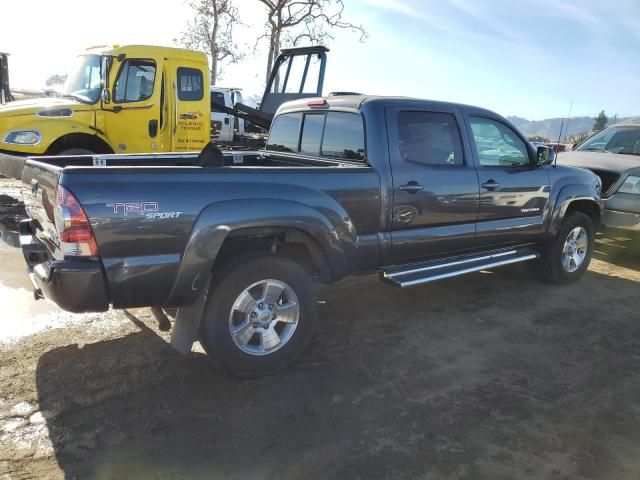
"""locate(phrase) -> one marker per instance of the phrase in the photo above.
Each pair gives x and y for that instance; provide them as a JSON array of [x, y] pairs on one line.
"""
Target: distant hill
[[550, 128]]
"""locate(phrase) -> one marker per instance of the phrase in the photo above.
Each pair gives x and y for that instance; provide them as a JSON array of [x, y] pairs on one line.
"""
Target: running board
[[433, 271]]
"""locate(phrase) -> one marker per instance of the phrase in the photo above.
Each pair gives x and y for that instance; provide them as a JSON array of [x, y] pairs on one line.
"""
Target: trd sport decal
[[149, 210]]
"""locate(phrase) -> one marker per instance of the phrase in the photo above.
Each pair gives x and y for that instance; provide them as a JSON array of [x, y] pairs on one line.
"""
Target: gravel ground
[[492, 375]]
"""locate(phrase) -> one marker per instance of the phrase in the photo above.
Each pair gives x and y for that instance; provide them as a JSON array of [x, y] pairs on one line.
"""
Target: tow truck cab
[[128, 99], [225, 127]]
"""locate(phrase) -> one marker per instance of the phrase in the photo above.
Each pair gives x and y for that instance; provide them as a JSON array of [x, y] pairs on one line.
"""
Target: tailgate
[[39, 184]]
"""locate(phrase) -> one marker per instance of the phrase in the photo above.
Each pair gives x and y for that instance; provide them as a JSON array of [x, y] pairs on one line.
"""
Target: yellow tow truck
[[120, 100], [145, 99]]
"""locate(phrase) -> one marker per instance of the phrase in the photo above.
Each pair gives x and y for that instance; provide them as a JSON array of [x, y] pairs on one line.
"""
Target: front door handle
[[153, 128], [411, 187], [490, 185]]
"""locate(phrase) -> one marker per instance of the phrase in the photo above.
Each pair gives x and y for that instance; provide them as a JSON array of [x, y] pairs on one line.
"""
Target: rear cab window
[[343, 136], [325, 134], [285, 132]]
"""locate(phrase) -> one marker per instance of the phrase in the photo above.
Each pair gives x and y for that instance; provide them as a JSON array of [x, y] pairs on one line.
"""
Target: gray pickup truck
[[414, 190]]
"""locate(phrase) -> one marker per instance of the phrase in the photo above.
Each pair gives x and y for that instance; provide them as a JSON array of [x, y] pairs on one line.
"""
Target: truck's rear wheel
[[260, 315], [567, 257]]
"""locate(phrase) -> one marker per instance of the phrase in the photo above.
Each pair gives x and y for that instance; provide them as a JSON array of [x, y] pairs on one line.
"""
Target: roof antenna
[[555, 159]]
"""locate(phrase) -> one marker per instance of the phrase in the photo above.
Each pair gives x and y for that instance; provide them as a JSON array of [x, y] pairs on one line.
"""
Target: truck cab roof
[[358, 102], [142, 51]]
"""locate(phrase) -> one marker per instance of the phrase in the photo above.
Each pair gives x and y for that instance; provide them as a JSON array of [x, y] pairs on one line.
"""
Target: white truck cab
[[224, 126]]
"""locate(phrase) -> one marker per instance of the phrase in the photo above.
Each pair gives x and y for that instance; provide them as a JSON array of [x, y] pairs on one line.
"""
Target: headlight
[[630, 185], [23, 137]]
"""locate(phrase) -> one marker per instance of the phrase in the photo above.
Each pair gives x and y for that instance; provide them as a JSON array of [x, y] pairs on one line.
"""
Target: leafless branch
[[291, 21], [211, 31]]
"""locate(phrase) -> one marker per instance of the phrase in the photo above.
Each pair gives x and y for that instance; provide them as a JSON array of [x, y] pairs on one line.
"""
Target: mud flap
[[187, 325]]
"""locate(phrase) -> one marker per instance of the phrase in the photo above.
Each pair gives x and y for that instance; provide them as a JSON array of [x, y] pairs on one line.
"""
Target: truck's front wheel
[[260, 315], [567, 257], [76, 151]]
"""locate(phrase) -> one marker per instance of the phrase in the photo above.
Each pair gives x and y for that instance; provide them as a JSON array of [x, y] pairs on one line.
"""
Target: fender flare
[[568, 195], [218, 220], [82, 139]]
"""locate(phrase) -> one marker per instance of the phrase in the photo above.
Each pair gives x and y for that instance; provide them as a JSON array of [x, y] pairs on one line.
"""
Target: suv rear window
[[331, 134]]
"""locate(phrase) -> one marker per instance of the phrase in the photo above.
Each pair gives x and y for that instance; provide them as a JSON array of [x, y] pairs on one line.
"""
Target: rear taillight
[[74, 230]]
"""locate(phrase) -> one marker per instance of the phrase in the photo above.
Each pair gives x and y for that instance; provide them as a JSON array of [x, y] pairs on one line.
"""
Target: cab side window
[[190, 84], [217, 99], [430, 138], [135, 81], [498, 145]]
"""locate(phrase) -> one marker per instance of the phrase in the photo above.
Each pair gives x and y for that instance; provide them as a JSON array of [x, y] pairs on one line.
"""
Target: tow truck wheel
[[567, 257], [76, 151], [260, 315]]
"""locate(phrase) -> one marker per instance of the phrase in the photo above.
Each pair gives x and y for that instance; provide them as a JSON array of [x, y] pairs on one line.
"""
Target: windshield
[[625, 140], [83, 82]]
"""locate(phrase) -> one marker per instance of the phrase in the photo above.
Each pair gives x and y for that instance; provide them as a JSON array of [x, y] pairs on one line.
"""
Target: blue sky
[[524, 57], [517, 57]]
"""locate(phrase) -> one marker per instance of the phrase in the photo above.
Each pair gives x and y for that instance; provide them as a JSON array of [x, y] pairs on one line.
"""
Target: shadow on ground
[[619, 247], [488, 376]]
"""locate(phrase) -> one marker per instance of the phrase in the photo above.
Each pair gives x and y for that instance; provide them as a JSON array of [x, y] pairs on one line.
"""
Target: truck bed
[[146, 209]]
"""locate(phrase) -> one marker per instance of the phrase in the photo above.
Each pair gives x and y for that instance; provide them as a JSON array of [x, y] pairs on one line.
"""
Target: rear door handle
[[490, 185], [411, 187]]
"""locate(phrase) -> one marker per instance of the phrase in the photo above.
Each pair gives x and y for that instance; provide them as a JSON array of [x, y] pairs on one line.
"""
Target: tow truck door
[[190, 113], [132, 114]]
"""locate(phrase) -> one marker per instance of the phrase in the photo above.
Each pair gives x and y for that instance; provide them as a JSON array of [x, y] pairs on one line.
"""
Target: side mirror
[[106, 96], [545, 156]]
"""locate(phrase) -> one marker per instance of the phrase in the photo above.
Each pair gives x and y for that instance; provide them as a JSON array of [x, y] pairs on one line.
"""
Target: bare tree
[[290, 21], [211, 31], [55, 80]]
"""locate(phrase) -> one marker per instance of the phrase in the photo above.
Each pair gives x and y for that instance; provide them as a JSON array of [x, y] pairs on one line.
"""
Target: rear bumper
[[74, 285], [624, 220]]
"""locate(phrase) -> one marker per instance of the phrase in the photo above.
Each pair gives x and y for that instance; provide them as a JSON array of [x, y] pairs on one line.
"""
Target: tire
[[253, 351], [76, 151], [552, 266]]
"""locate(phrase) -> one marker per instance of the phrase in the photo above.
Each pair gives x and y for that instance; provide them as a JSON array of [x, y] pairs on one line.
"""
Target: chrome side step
[[431, 272]]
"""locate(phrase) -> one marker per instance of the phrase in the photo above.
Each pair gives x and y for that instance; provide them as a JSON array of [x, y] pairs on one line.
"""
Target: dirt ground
[[488, 376]]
